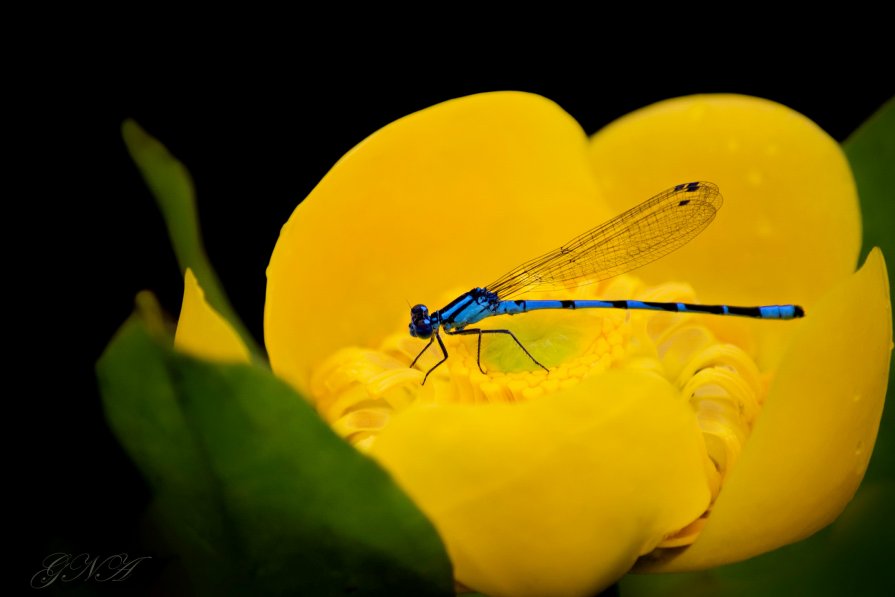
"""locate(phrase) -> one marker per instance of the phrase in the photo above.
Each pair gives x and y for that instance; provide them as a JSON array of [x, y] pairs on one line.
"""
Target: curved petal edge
[[557, 496], [400, 219], [202, 331], [813, 440]]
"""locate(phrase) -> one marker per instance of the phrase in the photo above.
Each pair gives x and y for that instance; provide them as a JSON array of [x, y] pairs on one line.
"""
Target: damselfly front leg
[[479, 352]]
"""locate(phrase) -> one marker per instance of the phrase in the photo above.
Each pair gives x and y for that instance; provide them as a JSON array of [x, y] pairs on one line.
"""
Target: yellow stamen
[[358, 390]]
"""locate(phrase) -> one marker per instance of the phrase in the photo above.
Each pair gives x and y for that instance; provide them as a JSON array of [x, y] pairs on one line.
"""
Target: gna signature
[[66, 567]]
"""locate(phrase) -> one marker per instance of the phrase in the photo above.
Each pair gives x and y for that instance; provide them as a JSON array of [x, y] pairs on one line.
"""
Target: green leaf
[[171, 184], [254, 491], [871, 153]]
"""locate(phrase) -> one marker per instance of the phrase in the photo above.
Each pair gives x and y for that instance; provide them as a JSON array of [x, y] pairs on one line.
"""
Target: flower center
[[706, 358]]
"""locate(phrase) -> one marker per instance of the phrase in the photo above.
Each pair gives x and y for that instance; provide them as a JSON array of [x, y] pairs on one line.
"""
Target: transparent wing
[[630, 240]]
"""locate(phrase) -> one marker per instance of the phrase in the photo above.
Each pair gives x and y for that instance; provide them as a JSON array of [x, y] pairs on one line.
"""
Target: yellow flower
[[675, 442]]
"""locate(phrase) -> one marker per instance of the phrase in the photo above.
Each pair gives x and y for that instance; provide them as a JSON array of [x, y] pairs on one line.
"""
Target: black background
[[256, 137]]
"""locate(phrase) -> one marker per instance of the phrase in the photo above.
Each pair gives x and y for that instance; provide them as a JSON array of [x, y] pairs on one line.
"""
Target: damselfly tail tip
[[798, 311]]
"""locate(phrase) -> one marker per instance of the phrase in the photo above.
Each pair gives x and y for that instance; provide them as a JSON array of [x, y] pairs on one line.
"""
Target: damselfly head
[[420, 322]]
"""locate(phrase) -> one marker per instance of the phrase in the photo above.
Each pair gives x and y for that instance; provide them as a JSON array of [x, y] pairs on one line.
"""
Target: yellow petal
[[202, 331], [813, 439], [557, 496], [448, 198], [790, 225]]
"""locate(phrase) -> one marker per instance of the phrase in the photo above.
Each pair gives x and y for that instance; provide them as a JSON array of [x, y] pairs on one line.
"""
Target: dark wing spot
[[683, 203]]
